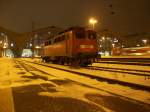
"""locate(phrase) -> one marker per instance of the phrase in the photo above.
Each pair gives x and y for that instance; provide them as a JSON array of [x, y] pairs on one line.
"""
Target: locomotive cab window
[[62, 38], [45, 44], [80, 34], [49, 42], [91, 35]]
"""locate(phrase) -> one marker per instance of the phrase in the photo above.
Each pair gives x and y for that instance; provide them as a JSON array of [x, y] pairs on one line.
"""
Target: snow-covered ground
[[126, 91], [25, 88]]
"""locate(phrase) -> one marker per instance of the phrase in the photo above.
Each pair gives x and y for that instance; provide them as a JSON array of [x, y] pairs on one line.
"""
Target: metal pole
[[93, 26]]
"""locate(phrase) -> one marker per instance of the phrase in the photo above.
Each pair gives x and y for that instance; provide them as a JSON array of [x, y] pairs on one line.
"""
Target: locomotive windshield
[[80, 34], [91, 35]]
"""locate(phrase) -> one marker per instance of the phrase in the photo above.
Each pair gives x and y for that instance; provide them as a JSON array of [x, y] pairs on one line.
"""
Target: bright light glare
[[93, 21], [2, 34], [144, 41], [11, 44], [103, 38], [5, 44], [113, 45], [37, 47]]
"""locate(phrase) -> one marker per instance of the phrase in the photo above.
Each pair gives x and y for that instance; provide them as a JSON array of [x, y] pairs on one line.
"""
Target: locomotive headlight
[[86, 46]]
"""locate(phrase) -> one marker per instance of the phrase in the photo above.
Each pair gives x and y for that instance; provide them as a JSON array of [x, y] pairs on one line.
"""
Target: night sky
[[123, 16]]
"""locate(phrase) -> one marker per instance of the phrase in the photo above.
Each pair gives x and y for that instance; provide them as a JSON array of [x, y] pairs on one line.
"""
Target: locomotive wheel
[[46, 60], [61, 62], [85, 62], [75, 62]]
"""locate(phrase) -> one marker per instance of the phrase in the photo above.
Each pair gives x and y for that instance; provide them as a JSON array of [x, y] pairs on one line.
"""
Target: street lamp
[[11, 44], [144, 41], [113, 45], [103, 38], [30, 45], [93, 21]]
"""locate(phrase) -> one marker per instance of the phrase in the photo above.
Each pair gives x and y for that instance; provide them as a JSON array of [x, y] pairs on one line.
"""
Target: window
[[47, 43], [60, 38], [80, 34], [91, 35]]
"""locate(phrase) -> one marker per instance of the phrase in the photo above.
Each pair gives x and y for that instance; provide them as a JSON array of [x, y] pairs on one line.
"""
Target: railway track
[[29, 68], [145, 73], [100, 78], [126, 61]]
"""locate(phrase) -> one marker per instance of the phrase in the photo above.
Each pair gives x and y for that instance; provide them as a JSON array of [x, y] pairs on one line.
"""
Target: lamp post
[[93, 21]]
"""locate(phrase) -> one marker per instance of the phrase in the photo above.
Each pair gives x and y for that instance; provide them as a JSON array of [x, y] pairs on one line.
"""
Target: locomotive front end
[[85, 46]]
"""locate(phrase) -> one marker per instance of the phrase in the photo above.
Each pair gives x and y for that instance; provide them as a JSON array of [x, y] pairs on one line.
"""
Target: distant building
[[136, 40], [38, 36]]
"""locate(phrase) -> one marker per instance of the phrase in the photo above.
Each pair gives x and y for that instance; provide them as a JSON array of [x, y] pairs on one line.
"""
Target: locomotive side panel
[[69, 44], [62, 48], [58, 49]]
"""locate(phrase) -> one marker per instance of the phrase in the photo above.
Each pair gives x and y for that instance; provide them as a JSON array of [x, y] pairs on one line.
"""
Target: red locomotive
[[74, 46]]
